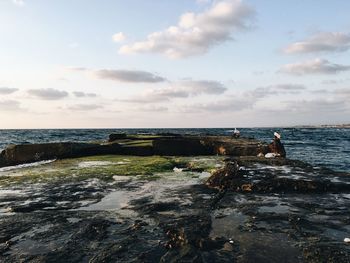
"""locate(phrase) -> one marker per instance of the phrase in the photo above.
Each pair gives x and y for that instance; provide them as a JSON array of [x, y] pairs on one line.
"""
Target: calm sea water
[[328, 147]]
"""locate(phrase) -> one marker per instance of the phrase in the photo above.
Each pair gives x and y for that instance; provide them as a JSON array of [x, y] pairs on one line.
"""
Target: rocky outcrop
[[224, 145], [208, 145], [180, 146], [234, 177], [142, 150], [167, 145], [25, 153], [257, 210]]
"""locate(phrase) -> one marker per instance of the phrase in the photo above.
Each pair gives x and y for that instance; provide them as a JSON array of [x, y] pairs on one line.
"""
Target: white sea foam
[[7, 192], [121, 178], [25, 165], [178, 170]]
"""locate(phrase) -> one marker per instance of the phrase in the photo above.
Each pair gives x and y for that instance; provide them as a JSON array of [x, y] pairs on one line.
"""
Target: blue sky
[[164, 63]]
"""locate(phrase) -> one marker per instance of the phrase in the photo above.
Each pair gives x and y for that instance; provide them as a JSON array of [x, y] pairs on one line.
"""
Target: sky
[[166, 63]]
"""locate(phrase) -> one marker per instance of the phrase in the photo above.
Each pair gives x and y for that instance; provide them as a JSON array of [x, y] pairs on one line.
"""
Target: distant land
[[343, 126]]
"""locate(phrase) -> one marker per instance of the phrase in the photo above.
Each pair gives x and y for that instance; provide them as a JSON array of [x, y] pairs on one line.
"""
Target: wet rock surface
[[301, 209], [299, 178], [174, 216]]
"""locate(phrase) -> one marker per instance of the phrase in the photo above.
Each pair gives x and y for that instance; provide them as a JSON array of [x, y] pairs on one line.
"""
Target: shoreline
[[153, 208]]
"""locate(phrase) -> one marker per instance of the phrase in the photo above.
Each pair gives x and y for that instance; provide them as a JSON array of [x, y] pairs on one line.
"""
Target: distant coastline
[[339, 126]]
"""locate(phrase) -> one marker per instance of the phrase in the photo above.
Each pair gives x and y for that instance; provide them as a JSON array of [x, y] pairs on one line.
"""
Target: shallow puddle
[[255, 246], [89, 164], [32, 247], [226, 223], [122, 178], [161, 189], [112, 201], [277, 208]]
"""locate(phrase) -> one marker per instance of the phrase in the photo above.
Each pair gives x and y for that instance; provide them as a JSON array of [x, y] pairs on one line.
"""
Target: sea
[[321, 147]]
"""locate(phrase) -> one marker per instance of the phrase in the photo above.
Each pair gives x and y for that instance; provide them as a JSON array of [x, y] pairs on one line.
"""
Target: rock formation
[[140, 145]]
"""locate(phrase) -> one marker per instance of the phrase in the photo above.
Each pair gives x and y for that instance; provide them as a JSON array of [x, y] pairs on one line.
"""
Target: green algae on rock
[[104, 167]]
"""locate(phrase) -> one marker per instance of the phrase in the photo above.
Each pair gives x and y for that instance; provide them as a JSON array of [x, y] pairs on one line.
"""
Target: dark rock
[[25, 153], [145, 146], [180, 146], [184, 254], [138, 150], [259, 217], [326, 252], [169, 134], [232, 178], [108, 254], [224, 145], [117, 136], [223, 178]]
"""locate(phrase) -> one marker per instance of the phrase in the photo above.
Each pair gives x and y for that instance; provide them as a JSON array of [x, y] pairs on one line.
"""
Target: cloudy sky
[[166, 63]]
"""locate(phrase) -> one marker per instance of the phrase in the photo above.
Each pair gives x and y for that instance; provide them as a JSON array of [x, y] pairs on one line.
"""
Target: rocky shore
[[170, 198]]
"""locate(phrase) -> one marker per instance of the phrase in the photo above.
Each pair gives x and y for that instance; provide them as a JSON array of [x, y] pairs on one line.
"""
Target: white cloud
[[144, 99], [340, 93], [330, 82], [233, 104], [85, 107], [6, 90], [184, 89], [48, 94], [343, 93], [271, 90], [288, 87], [317, 106], [133, 76], [181, 89], [321, 42], [153, 108], [189, 89], [195, 34], [245, 100], [82, 69], [9, 105], [80, 94], [128, 75], [335, 81], [316, 66], [119, 37], [18, 2], [326, 105], [319, 91]]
